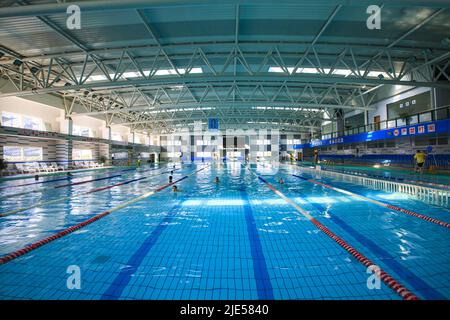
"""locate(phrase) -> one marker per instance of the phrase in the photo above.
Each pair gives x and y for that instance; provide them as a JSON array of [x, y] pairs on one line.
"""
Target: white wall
[[381, 109], [49, 115]]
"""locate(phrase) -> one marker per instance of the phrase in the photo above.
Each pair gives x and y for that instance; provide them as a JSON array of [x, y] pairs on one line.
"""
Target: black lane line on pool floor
[[20, 252], [401, 290], [262, 278], [263, 284], [60, 179], [45, 203], [9, 196], [119, 283], [416, 282]]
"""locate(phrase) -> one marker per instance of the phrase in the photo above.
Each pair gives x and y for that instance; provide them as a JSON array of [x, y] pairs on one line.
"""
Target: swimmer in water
[[36, 177], [69, 174], [171, 172], [175, 189], [281, 181], [217, 180], [170, 179]]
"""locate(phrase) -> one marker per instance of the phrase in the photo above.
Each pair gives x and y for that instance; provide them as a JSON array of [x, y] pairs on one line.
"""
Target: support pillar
[[69, 141]]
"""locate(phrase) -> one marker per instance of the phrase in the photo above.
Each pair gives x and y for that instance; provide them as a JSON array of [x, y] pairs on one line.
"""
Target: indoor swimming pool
[[247, 236]]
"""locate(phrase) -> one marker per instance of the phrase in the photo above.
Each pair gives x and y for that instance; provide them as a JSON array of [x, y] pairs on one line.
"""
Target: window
[[293, 141], [174, 142], [18, 121], [13, 153], [259, 142], [202, 143], [173, 154], [263, 153], [116, 136], [204, 154], [82, 154], [234, 154], [11, 120], [32, 123], [81, 131]]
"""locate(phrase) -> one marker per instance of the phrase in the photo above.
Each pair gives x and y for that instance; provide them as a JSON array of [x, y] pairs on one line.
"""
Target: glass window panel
[[32, 154], [11, 120], [32, 123], [425, 117], [12, 153]]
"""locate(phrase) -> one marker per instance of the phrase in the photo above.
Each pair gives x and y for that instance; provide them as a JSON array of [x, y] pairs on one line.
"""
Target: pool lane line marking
[[85, 181], [384, 256], [262, 278], [54, 187], [20, 252], [55, 180], [400, 289], [40, 204], [383, 204], [33, 183], [119, 283]]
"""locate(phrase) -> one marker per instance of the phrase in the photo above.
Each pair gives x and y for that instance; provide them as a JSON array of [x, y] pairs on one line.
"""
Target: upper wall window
[[82, 131], [16, 153], [32, 123], [82, 154], [116, 136], [10, 119]]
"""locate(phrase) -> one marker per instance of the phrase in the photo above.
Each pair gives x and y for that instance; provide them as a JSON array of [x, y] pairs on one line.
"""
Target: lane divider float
[[39, 204], [8, 196], [85, 181], [395, 285], [55, 180], [383, 204], [20, 252]]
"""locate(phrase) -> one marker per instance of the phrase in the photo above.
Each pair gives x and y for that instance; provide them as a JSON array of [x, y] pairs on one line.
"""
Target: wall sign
[[441, 126]]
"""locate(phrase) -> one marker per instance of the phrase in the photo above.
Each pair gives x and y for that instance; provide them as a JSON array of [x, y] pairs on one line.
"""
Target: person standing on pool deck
[[419, 158], [316, 156], [139, 160]]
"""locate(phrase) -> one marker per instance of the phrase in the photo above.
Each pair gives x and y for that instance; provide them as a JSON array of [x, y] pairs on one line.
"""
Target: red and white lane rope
[[15, 254], [395, 285], [45, 203], [386, 205]]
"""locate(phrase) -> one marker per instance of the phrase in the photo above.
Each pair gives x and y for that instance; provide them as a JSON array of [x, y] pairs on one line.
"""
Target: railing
[[441, 113], [429, 195]]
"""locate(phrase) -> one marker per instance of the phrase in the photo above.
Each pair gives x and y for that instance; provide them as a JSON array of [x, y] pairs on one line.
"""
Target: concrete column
[[340, 125], [69, 141], [109, 146]]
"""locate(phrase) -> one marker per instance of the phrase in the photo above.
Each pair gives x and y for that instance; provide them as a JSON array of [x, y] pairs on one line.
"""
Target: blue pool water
[[232, 240]]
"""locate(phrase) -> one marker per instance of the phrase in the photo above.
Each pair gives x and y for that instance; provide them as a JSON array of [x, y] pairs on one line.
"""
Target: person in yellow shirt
[[419, 158]]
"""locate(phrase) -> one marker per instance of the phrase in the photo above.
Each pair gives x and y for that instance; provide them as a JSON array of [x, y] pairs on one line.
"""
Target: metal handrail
[[434, 196], [440, 113]]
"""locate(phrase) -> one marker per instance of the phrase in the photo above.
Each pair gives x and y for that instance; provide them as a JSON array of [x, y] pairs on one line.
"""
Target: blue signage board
[[440, 126], [213, 124]]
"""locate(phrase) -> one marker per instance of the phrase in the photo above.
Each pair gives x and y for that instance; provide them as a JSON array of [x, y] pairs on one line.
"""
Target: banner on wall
[[213, 124], [441, 126]]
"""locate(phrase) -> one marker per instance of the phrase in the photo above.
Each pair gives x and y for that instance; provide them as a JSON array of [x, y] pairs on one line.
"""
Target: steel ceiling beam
[[111, 5]]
